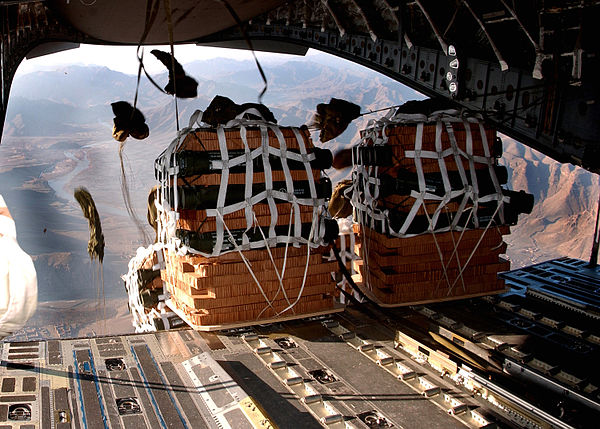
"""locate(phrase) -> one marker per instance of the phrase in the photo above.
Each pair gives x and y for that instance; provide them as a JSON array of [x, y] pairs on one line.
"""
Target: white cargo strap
[[310, 237], [248, 212], [264, 136], [279, 276], [18, 278], [143, 319], [348, 256], [364, 195], [367, 211], [498, 208], [246, 263], [168, 171]]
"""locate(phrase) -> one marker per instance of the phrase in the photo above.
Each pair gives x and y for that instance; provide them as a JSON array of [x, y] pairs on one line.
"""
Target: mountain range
[[57, 136]]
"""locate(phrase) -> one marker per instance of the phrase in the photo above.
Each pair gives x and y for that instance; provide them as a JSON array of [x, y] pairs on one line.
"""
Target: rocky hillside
[[563, 218]]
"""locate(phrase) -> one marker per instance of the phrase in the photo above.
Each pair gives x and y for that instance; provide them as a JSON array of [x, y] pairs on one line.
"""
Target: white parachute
[[18, 280]]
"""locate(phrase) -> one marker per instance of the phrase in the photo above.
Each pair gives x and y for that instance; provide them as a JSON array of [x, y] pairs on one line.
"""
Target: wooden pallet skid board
[[215, 270], [432, 257], [209, 224], [405, 134], [240, 178], [150, 261], [236, 299], [199, 319], [216, 267], [409, 265], [400, 144], [418, 292], [427, 252], [406, 245], [293, 272], [470, 272], [250, 287], [270, 288], [278, 304], [205, 139], [395, 294], [404, 204], [481, 289], [430, 287], [155, 284], [201, 282], [392, 242], [251, 255], [205, 267], [364, 231]]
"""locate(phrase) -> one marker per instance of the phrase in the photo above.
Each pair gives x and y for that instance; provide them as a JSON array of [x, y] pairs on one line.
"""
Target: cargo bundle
[[145, 290], [241, 214], [431, 209]]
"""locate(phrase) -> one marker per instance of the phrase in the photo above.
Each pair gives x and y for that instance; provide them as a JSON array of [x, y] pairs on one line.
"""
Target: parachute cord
[[127, 199], [437, 246], [167, 5], [279, 277], [238, 21], [500, 204], [455, 250], [287, 243], [94, 270], [310, 237], [235, 245], [151, 12], [137, 85]]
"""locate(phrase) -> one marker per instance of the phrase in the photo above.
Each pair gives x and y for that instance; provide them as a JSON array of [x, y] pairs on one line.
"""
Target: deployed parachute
[[222, 110], [96, 242], [334, 117], [180, 84], [18, 280], [128, 121]]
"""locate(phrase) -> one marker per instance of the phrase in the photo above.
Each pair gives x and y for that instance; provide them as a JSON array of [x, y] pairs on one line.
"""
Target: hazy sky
[[124, 59]]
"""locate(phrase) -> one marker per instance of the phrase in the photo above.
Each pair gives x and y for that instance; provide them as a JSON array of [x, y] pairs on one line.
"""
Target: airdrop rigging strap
[[367, 183], [279, 277], [596, 238], [347, 274], [310, 236], [167, 5], [142, 320], [347, 253], [151, 13], [248, 266], [240, 25], [168, 171]]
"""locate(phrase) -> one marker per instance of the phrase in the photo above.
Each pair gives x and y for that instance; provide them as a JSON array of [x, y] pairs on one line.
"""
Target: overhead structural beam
[[438, 36], [503, 64], [50, 48]]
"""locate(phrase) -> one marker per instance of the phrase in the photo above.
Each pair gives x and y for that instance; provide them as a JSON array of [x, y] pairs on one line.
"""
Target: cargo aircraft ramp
[[445, 364]]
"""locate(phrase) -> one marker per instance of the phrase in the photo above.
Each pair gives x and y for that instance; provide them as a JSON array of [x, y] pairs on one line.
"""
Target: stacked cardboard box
[[402, 270], [226, 291], [220, 291], [413, 270]]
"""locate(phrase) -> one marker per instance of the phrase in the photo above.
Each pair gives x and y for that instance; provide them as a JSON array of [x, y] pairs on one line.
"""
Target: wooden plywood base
[[369, 293], [336, 309]]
